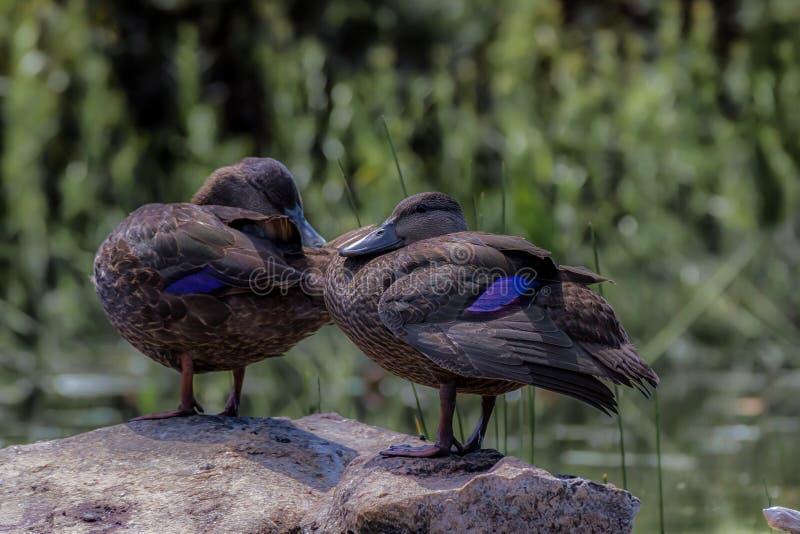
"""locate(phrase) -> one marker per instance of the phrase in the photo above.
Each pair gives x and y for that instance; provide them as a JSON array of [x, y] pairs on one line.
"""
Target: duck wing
[[588, 319], [581, 275], [204, 249], [489, 326]]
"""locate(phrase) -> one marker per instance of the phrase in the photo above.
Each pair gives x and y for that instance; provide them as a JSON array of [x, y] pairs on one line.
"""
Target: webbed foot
[[231, 408], [182, 410]]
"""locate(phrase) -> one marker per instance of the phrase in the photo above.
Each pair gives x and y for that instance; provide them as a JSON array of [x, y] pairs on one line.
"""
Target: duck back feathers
[[223, 282]]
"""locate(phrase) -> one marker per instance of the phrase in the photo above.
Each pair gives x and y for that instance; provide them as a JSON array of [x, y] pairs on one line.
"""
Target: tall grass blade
[[420, 415], [532, 420], [621, 440], [350, 198], [705, 296], [764, 309], [319, 396], [481, 203], [596, 257], [616, 388], [476, 221], [520, 425], [658, 458], [505, 425], [460, 425], [503, 199], [394, 155], [497, 431], [474, 213], [420, 432], [766, 492]]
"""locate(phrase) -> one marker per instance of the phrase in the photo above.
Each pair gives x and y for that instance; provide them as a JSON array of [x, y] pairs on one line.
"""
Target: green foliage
[[671, 126]]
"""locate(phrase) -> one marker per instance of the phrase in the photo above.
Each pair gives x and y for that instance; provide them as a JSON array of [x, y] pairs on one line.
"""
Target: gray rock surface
[[320, 473]]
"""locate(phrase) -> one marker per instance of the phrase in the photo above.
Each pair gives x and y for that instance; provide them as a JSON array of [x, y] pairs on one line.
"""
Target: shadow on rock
[[274, 443], [438, 473]]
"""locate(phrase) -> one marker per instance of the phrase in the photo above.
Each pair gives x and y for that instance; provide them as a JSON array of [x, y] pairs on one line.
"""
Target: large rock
[[320, 473]]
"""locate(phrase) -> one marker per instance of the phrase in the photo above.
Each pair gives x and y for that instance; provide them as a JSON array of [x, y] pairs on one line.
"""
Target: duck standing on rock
[[471, 312], [219, 283]]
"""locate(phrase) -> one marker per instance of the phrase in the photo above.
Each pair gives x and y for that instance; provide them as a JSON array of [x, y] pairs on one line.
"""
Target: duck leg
[[235, 397], [476, 438], [444, 435], [188, 405]]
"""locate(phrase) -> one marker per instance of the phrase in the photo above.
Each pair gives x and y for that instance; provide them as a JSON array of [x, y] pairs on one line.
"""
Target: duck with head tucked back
[[471, 312], [219, 283]]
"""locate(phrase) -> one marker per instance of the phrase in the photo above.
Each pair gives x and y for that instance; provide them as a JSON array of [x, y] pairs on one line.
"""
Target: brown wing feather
[[523, 346], [276, 228], [581, 275], [508, 243], [179, 239], [566, 333], [589, 320]]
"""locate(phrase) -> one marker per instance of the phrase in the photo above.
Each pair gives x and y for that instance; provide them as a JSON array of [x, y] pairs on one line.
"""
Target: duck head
[[418, 217], [264, 185]]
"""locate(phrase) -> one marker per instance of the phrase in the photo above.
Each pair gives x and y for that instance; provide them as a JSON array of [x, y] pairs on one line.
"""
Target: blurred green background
[[673, 127]]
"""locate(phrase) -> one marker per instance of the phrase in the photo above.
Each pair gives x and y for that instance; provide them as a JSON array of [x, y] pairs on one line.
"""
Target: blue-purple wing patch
[[204, 281], [502, 293]]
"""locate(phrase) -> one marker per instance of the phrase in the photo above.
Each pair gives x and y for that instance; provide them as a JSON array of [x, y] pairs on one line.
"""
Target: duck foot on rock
[[444, 435], [180, 411], [188, 405], [475, 441], [231, 410], [235, 397]]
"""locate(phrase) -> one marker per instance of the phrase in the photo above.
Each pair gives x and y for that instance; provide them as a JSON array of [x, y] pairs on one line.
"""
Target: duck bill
[[383, 239], [308, 235]]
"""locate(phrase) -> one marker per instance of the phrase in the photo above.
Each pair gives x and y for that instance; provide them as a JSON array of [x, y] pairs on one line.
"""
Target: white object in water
[[784, 519]]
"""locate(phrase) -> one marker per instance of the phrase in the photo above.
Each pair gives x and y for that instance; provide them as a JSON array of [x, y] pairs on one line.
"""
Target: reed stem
[[503, 198], [766, 492], [616, 388], [319, 396], [475, 219], [420, 416], [351, 199], [658, 457], [520, 425], [497, 431], [505, 425], [460, 426], [394, 155], [532, 419]]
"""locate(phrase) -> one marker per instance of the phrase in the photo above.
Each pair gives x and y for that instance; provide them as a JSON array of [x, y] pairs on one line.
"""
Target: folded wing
[[512, 326], [205, 249]]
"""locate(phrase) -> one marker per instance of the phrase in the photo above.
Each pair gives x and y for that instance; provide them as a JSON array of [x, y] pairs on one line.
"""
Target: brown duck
[[219, 283], [470, 312]]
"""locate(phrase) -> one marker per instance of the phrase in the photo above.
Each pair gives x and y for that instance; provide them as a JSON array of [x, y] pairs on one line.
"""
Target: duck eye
[[422, 208]]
